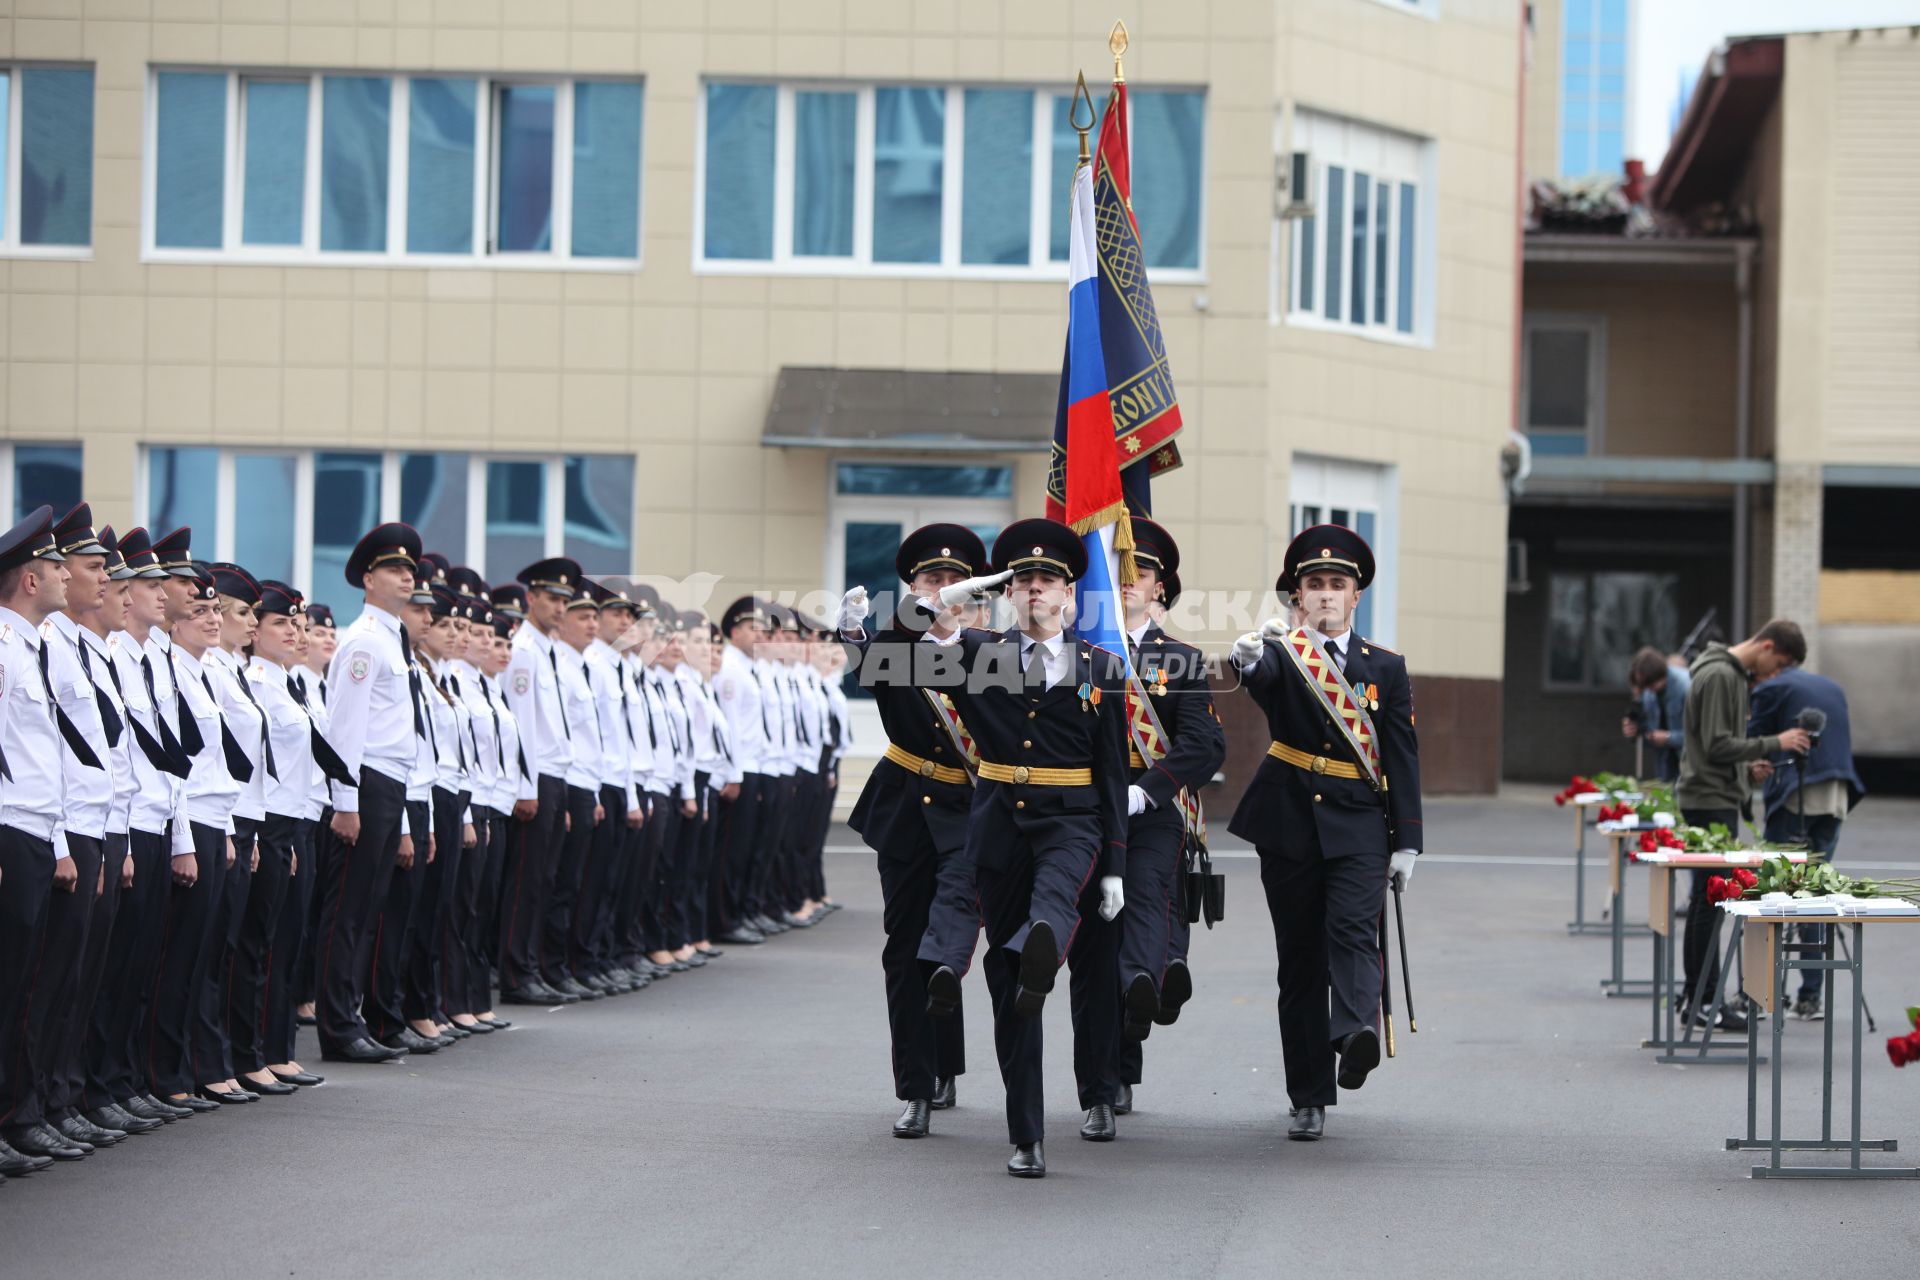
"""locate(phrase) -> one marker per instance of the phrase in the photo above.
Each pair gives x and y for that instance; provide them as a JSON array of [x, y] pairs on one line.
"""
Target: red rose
[[1903, 1049], [1746, 878], [1647, 843]]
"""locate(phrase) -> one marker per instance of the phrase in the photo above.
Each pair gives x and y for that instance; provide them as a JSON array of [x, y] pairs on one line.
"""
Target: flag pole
[[1117, 41], [1082, 97]]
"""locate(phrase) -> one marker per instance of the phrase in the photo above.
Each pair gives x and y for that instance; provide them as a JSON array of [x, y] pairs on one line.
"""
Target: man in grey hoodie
[[1719, 765]]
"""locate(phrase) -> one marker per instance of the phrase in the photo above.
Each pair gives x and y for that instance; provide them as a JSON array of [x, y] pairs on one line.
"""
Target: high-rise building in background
[[1596, 82]]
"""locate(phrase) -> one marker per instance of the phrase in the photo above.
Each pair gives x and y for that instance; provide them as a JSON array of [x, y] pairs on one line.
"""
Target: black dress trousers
[[439, 887], [287, 958], [353, 889], [591, 944], [56, 1009], [117, 1047], [247, 994], [67, 1080], [393, 928], [532, 848], [180, 977], [556, 935], [26, 881]]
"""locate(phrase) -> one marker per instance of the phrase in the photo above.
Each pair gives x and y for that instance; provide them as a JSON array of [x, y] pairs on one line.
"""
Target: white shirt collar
[[1052, 644], [1141, 633]]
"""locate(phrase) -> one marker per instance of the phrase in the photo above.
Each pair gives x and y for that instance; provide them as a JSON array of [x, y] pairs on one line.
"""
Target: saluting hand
[[853, 609], [963, 592]]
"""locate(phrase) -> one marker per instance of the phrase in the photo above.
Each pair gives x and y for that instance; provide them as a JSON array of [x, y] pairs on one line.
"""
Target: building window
[[1596, 622], [1594, 87], [296, 515], [1563, 383], [46, 177], [402, 169], [1359, 241], [1362, 497], [39, 475], [918, 180]]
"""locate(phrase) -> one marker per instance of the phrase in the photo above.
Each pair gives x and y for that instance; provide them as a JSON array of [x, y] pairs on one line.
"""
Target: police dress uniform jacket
[[370, 715], [211, 792], [290, 729], [1345, 814], [903, 802], [1174, 675], [507, 784], [613, 702], [485, 759], [1076, 722], [247, 723], [33, 799]]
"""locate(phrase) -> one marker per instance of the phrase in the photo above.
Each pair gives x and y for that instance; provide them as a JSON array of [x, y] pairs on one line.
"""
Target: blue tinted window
[[599, 513], [346, 503], [56, 156], [6, 111], [1366, 524], [433, 499], [823, 141], [606, 170], [440, 168], [1336, 229], [353, 163], [516, 517], [996, 183], [180, 490], [274, 199], [1066, 160], [525, 122], [1168, 180], [1558, 444], [190, 160], [1409, 209], [908, 173], [263, 486], [45, 475], [739, 171], [1381, 215], [924, 481], [1357, 311], [1304, 266]]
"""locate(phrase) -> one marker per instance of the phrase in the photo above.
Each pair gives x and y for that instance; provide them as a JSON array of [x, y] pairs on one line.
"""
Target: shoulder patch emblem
[[727, 692], [520, 683], [358, 668]]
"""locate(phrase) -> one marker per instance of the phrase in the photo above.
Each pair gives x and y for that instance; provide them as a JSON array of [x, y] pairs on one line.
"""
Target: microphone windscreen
[[1813, 719]]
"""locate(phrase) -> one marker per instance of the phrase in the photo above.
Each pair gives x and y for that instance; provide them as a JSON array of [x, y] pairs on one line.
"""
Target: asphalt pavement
[[736, 1121]]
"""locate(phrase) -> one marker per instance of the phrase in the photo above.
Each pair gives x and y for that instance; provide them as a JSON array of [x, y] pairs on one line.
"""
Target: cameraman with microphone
[[1808, 797], [1717, 768]]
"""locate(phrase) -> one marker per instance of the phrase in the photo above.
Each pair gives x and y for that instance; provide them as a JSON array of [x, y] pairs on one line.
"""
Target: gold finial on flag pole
[[1117, 41], [1080, 97]]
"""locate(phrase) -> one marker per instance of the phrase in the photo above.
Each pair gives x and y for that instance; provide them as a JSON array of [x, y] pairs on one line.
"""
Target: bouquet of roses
[[1576, 786], [1905, 1049], [1808, 879], [1654, 841], [1732, 886]]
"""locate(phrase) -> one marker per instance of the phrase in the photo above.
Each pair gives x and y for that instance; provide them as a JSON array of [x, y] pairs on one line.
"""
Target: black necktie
[[266, 738], [1333, 648], [762, 691], [459, 747], [77, 744], [165, 755], [297, 686], [653, 734], [499, 747], [625, 713], [190, 740], [553, 660], [413, 683], [109, 718], [1036, 669], [238, 765], [519, 746], [323, 691]]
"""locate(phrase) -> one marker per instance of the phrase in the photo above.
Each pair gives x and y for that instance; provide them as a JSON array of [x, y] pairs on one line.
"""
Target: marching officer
[[1334, 811], [913, 811], [1051, 806]]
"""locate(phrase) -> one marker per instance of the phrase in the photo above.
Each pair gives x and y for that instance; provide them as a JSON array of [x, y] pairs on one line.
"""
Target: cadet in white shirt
[[578, 627], [711, 771], [495, 651], [321, 635], [33, 858], [487, 766], [374, 723], [679, 805], [540, 809], [651, 757], [592, 959], [744, 818]]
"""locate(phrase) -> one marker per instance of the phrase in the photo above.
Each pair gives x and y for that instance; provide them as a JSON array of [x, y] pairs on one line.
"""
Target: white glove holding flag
[[962, 592], [1276, 629], [1113, 896], [853, 609], [1400, 867], [1247, 649], [1138, 801]]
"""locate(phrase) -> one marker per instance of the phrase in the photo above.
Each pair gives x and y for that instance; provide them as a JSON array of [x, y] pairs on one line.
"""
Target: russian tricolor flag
[[1095, 496]]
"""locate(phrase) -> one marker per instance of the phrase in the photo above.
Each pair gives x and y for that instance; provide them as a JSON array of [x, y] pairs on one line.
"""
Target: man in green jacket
[[1717, 769]]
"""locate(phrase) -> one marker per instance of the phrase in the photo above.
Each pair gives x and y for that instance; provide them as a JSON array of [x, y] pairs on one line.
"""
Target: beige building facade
[[615, 279]]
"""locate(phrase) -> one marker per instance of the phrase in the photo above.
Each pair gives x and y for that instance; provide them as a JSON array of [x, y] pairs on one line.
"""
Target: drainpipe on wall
[[1743, 443]]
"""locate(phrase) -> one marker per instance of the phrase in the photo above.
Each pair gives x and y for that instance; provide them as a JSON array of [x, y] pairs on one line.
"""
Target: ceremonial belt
[[1035, 775], [1133, 758], [1318, 764], [925, 768]]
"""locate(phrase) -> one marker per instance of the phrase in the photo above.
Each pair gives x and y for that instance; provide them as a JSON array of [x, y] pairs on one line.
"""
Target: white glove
[[1113, 896], [1138, 801], [1400, 867], [853, 609], [1247, 649], [962, 592]]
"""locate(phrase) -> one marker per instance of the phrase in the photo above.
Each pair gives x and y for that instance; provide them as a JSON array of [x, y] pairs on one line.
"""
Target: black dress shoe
[[1039, 964], [455, 1031], [302, 1079], [81, 1131], [226, 1098], [272, 1088], [943, 992], [742, 937], [595, 982], [1142, 1004], [711, 953], [946, 1095], [362, 1049], [573, 987], [1175, 990], [180, 1110], [1099, 1125], [554, 994], [144, 1108], [476, 1028], [112, 1116], [498, 1024], [1359, 1054], [408, 1040], [695, 961], [526, 995], [1029, 1161], [1308, 1124], [42, 1140], [913, 1119], [15, 1164], [73, 1139], [1123, 1101]]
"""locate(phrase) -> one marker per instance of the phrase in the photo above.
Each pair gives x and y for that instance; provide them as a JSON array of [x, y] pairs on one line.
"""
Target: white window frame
[[1594, 325], [15, 159], [485, 186], [1374, 487], [785, 262], [7, 473], [1428, 9], [473, 551], [1384, 155]]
